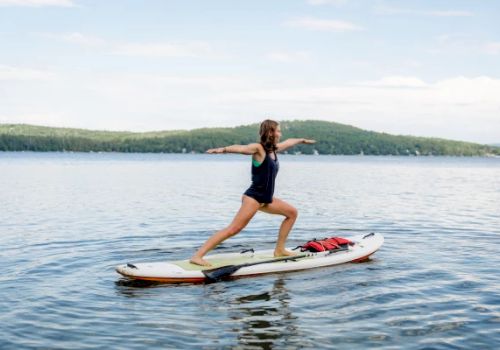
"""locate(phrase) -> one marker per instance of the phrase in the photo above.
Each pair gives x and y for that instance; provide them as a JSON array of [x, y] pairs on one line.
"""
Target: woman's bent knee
[[293, 213]]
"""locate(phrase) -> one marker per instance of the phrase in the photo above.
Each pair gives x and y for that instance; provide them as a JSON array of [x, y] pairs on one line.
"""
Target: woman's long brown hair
[[267, 139]]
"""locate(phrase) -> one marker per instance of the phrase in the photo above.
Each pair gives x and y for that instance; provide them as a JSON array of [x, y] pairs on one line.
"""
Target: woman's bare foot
[[199, 261], [284, 252]]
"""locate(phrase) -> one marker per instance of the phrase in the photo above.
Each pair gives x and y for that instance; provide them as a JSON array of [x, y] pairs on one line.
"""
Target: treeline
[[332, 138]]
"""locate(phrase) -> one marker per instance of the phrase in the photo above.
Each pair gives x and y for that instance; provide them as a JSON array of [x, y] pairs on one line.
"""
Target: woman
[[260, 194]]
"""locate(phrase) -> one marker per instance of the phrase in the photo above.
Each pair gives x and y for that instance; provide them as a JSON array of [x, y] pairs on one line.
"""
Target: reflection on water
[[132, 288], [264, 320]]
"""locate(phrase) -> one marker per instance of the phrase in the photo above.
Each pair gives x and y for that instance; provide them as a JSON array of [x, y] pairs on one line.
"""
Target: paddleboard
[[182, 271]]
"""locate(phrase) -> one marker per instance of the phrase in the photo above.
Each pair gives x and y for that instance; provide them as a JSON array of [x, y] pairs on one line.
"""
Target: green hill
[[332, 138]]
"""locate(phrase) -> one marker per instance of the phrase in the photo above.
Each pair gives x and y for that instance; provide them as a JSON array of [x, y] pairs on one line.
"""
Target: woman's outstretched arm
[[242, 149], [292, 142]]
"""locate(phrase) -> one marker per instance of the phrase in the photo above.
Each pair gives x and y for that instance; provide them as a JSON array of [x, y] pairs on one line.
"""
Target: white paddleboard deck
[[182, 271]]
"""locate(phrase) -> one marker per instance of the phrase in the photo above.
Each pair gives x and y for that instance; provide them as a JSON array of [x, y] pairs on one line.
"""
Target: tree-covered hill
[[332, 138]]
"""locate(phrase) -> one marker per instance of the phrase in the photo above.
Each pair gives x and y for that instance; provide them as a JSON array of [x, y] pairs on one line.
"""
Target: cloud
[[388, 10], [35, 118], [159, 49], [327, 2], [185, 49], [391, 91], [463, 44], [75, 38], [456, 108], [464, 108], [492, 48], [38, 3], [23, 74], [288, 57], [323, 24], [450, 39], [446, 13], [396, 82], [81, 39]]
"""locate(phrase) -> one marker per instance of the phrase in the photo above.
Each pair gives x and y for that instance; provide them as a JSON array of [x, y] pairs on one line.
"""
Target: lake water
[[67, 219]]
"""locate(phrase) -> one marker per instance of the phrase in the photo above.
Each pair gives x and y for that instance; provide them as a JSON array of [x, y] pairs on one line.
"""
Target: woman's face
[[277, 133]]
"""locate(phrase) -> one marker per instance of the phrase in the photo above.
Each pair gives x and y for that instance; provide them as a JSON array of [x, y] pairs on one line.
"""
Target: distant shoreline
[[241, 156], [332, 139]]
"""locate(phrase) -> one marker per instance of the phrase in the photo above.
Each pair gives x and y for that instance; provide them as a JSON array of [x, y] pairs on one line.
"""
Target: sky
[[425, 68]]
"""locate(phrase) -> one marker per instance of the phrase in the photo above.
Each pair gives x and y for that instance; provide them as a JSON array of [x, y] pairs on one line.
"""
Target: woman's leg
[[249, 207], [282, 208]]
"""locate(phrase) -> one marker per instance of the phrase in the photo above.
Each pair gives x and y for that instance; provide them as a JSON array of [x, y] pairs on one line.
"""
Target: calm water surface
[[67, 219]]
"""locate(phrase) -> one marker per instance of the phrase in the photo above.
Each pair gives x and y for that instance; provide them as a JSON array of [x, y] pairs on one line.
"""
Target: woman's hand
[[217, 150], [308, 142]]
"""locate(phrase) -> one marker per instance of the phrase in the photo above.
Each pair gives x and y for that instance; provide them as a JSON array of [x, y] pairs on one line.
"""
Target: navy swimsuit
[[263, 178]]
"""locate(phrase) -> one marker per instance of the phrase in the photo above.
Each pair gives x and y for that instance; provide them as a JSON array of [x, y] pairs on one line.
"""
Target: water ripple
[[433, 285]]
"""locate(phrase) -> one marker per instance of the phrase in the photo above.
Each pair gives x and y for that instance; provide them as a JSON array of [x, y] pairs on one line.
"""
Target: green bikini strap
[[256, 163]]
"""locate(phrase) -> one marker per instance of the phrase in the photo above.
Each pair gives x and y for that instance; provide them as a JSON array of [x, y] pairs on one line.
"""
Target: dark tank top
[[263, 179]]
